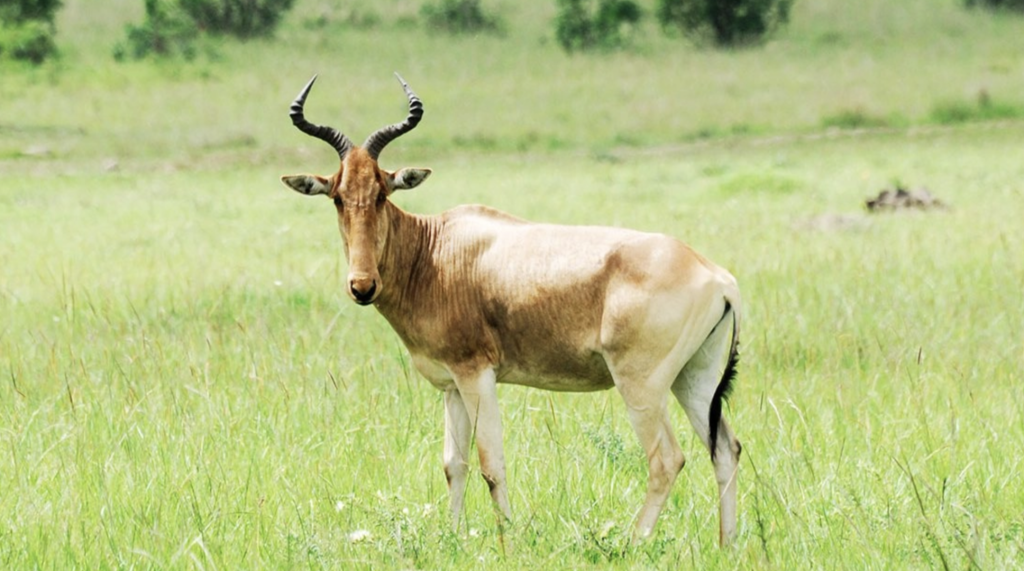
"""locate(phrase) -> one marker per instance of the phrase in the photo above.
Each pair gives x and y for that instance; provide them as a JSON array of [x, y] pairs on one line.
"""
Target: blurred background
[[204, 79]]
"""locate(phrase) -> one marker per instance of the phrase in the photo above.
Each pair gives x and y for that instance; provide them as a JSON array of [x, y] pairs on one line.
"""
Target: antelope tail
[[725, 385]]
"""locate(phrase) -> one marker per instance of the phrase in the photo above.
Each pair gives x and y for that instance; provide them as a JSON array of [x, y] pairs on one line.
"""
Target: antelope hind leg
[[649, 416], [695, 388]]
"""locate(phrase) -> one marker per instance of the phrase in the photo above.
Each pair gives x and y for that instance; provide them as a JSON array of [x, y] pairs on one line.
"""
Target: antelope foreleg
[[480, 396], [457, 434]]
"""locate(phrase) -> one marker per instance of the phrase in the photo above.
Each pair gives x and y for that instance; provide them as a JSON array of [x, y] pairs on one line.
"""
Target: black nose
[[364, 296]]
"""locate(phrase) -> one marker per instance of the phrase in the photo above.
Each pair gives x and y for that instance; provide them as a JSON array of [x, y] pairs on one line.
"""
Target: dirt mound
[[899, 198]]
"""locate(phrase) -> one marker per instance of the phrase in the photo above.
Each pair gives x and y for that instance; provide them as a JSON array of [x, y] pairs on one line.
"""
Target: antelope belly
[[565, 374]]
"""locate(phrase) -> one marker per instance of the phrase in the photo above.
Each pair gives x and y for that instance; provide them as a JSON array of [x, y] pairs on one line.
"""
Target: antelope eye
[[381, 197], [337, 201]]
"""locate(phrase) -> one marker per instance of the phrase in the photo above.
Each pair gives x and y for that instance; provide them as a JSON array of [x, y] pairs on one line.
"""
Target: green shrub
[[29, 41], [27, 29], [239, 18], [459, 17], [581, 26], [1016, 5], [166, 31], [171, 27], [22, 11], [724, 23]]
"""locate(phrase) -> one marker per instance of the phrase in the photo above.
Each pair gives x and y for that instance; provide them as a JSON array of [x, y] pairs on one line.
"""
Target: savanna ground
[[185, 384]]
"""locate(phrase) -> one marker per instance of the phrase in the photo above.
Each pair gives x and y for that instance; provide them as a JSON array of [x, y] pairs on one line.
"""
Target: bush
[[724, 22], [27, 29], [172, 27], [22, 11], [30, 41], [459, 17], [239, 18], [166, 31], [581, 26], [1016, 5]]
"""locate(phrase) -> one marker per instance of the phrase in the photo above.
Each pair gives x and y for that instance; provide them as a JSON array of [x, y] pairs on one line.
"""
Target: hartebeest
[[480, 297]]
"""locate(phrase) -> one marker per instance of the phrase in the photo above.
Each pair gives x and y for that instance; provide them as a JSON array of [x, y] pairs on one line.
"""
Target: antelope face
[[360, 191]]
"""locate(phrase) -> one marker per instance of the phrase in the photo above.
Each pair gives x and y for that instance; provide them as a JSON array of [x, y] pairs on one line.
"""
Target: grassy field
[[184, 384]]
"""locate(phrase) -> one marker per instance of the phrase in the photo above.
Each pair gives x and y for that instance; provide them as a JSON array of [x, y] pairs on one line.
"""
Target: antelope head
[[360, 191]]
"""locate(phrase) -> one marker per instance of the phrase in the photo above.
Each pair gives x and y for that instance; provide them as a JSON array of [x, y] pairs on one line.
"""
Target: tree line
[[171, 27]]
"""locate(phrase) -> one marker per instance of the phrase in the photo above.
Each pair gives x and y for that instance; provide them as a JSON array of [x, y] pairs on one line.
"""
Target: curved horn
[[340, 142], [376, 142]]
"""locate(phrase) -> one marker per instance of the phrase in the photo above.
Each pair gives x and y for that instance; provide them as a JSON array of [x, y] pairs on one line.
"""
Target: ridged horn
[[340, 142], [376, 142]]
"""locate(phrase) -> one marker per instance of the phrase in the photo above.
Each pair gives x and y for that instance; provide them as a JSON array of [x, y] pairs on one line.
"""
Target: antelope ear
[[407, 178], [307, 184]]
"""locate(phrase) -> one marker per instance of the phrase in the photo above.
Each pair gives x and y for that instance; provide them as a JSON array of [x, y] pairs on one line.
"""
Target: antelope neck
[[406, 257]]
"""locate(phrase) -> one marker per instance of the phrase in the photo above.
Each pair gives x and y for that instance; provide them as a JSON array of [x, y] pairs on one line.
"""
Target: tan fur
[[480, 297]]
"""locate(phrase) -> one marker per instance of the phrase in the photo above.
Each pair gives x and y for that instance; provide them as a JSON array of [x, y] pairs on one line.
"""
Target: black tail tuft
[[724, 386]]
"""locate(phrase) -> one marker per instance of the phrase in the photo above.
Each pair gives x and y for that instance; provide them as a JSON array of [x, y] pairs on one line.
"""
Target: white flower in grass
[[339, 505], [473, 532], [359, 535]]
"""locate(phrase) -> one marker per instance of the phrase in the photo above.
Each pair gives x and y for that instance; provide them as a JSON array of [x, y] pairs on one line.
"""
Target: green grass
[[183, 383], [953, 112]]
